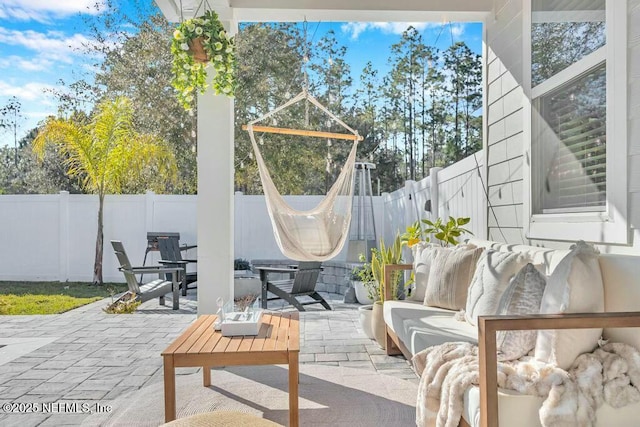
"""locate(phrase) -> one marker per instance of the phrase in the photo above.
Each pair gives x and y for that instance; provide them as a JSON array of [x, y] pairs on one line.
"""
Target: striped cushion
[[450, 275]]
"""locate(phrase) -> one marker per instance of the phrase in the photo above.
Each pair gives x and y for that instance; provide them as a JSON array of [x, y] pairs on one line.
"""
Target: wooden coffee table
[[277, 343]]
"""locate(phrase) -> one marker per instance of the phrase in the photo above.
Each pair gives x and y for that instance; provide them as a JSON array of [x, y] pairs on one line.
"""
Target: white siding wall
[[504, 120], [633, 28]]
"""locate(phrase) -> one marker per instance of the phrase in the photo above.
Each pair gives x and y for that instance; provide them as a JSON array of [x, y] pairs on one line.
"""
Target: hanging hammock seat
[[318, 234]]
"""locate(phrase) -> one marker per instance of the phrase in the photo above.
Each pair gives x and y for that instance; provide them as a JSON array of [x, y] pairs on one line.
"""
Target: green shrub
[[241, 264]]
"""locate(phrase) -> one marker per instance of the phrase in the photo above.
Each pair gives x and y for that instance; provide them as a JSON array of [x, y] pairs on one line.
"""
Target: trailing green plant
[[189, 74], [445, 232], [382, 257]]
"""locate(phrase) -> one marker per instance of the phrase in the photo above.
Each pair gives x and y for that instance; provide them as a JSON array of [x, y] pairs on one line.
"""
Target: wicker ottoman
[[222, 419]]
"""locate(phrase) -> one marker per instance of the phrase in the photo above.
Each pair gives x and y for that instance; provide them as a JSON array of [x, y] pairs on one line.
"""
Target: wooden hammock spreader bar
[[304, 132]]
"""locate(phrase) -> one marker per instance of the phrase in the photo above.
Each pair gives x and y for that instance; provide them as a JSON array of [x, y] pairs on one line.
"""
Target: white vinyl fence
[[454, 191], [52, 237]]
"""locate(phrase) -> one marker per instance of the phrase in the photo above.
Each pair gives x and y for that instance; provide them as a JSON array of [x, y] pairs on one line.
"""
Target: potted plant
[[366, 293], [198, 43], [446, 233], [379, 258], [240, 264], [363, 282], [245, 283]]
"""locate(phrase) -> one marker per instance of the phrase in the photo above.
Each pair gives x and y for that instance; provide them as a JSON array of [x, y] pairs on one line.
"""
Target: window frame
[[610, 225]]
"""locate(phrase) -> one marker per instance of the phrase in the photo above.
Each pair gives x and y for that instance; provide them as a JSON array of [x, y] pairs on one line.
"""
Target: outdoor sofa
[[413, 326]]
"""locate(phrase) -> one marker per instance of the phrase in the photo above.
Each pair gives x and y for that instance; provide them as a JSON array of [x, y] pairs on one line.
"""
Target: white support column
[[215, 197]]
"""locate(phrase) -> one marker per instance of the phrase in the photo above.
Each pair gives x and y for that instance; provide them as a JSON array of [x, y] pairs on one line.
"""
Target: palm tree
[[108, 156]]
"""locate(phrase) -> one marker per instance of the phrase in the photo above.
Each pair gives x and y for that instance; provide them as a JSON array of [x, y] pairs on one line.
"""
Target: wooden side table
[[200, 345]]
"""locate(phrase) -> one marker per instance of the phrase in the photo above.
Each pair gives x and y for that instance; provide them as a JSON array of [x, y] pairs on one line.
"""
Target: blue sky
[[41, 42]]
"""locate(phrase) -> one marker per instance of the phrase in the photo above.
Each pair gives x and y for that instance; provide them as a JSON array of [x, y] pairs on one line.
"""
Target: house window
[[576, 60], [569, 142], [568, 77]]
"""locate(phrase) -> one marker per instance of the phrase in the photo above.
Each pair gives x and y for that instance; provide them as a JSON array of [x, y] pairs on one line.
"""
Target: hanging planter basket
[[196, 48], [201, 45]]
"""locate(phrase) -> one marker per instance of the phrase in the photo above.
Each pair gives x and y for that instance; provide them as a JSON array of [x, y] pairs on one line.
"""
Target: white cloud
[[357, 28], [457, 30], [45, 11], [52, 46], [28, 92], [34, 64]]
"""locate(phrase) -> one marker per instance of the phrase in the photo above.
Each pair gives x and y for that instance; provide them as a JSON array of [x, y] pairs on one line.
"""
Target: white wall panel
[[30, 245], [509, 193]]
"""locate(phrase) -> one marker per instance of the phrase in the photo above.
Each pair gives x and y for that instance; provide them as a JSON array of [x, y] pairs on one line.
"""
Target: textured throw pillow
[[574, 286], [491, 277], [450, 275], [422, 256], [522, 296]]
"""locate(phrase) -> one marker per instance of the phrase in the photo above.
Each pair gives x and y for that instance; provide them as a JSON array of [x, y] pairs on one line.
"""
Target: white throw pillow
[[574, 286], [450, 276], [491, 277], [422, 257], [522, 296]]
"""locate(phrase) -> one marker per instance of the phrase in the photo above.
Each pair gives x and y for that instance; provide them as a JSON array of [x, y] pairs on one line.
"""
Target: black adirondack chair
[[170, 252], [302, 282], [155, 289]]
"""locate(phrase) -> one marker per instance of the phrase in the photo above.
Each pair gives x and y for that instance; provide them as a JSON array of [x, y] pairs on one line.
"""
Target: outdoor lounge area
[[111, 366], [503, 286]]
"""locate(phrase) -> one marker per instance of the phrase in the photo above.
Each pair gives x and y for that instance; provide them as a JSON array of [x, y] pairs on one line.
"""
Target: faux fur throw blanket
[[610, 374]]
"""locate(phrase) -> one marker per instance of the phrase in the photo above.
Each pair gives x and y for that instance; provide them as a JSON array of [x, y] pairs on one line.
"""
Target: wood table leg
[[206, 376], [169, 389], [293, 389]]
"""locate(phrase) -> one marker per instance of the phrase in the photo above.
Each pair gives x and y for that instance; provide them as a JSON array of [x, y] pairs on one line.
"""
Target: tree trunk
[[97, 265]]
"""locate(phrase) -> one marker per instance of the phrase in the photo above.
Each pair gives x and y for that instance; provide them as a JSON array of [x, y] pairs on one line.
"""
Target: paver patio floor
[[86, 356]]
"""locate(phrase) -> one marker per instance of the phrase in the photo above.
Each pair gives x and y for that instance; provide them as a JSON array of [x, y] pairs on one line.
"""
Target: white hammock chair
[[318, 234]]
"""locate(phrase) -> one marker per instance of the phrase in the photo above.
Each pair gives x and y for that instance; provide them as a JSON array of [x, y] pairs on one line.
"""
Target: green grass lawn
[[51, 297]]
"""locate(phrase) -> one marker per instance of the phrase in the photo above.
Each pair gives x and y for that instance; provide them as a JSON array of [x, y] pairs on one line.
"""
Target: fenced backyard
[[52, 237]]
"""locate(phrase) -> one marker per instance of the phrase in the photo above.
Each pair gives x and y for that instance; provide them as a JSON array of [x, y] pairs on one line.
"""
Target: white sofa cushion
[[521, 410], [450, 276], [419, 326], [549, 258], [574, 286], [491, 277], [522, 296], [620, 275]]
